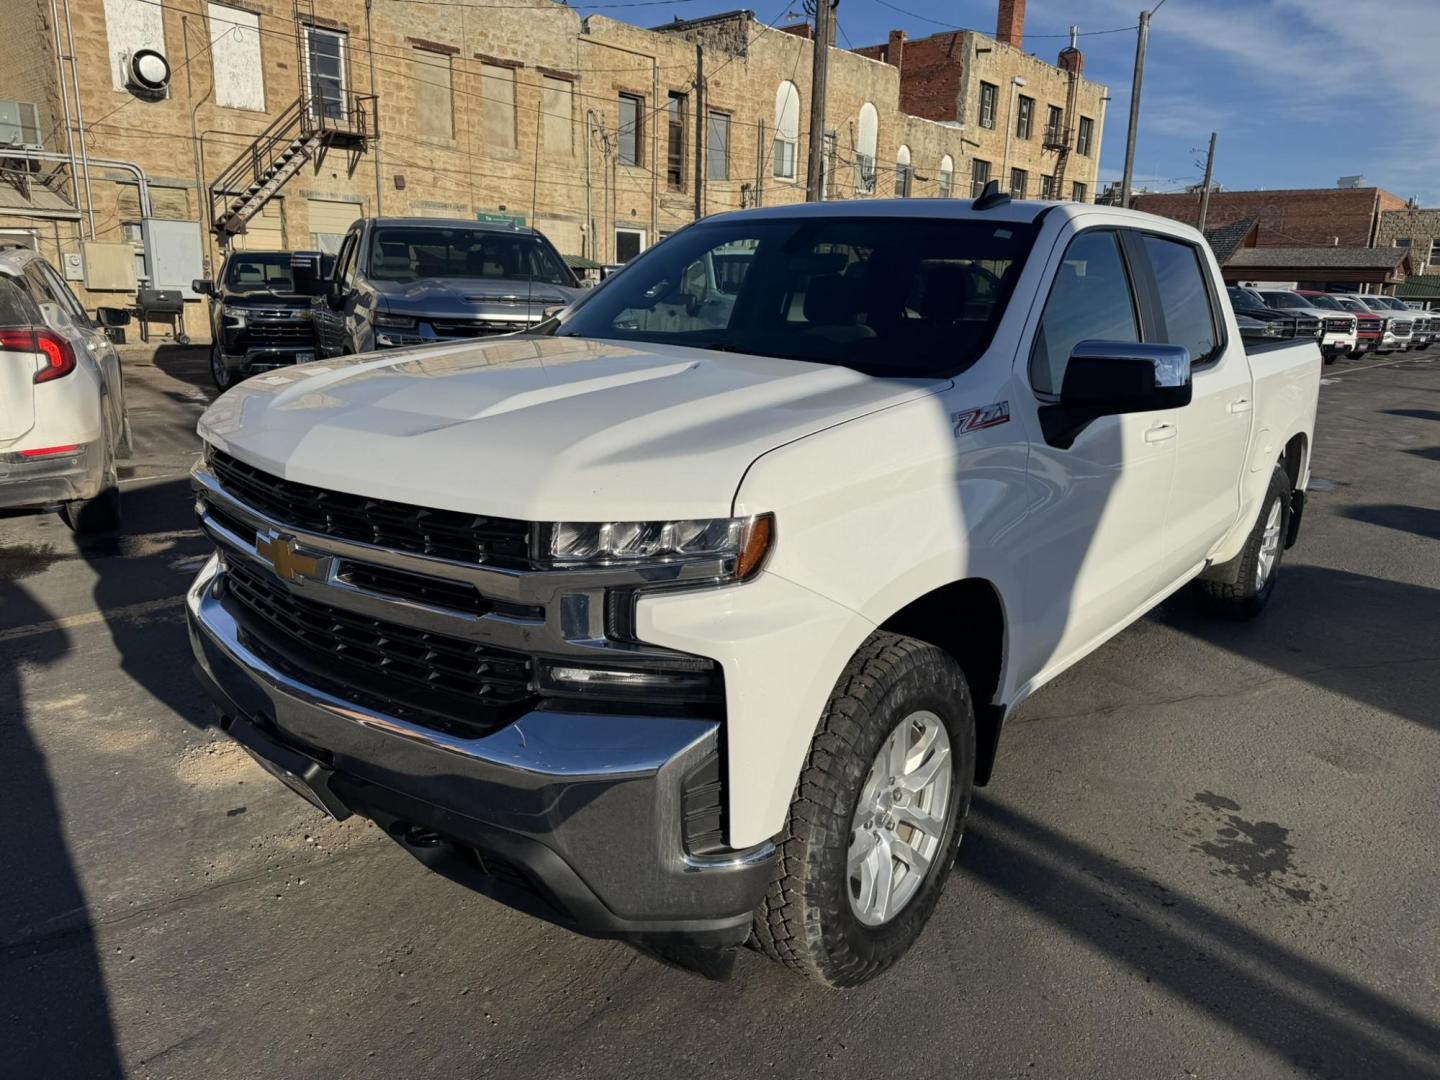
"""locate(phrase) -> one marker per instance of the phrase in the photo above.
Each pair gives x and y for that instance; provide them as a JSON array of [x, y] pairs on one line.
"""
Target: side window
[[345, 263], [63, 295], [1185, 313], [1091, 300], [16, 308]]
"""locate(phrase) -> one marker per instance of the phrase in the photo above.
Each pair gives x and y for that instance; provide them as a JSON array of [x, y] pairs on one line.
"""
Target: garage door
[[329, 219], [265, 231], [565, 235]]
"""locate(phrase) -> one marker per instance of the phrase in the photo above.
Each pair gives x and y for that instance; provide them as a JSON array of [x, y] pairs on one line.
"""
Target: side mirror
[[111, 316], [554, 310], [334, 296], [1112, 378], [203, 286]]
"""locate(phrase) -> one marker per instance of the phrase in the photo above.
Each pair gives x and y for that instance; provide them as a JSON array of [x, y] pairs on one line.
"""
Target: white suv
[[62, 402]]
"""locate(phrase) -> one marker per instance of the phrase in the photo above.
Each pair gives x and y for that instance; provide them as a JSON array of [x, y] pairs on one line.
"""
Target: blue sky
[[1301, 91]]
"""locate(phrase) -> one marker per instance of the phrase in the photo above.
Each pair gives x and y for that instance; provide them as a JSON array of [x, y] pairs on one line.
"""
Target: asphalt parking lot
[[1209, 850]]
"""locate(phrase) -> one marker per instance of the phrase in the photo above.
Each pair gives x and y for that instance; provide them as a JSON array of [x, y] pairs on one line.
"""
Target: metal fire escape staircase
[[307, 129], [326, 116], [1062, 138]]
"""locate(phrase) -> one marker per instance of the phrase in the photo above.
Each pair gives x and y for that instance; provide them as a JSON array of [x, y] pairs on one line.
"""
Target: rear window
[[16, 307], [888, 296]]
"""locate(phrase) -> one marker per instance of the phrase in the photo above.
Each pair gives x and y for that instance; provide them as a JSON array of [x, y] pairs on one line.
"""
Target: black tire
[[1247, 596], [101, 514], [220, 374], [1331, 357], [806, 921]]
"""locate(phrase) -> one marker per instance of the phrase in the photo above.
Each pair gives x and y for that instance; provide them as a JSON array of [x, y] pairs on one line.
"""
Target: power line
[[953, 26]]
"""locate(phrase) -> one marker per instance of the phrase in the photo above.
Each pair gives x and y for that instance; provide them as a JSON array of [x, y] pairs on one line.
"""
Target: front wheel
[[220, 372], [877, 815], [1242, 587]]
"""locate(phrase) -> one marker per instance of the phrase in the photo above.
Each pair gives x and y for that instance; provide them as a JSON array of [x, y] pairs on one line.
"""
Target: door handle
[[1160, 433], [1240, 405]]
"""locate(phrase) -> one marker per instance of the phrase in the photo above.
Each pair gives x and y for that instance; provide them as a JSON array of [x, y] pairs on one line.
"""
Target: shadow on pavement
[[1431, 453], [154, 557], [1414, 414], [1412, 519], [187, 363], [1371, 639], [1320, 1020], [54, 1008]]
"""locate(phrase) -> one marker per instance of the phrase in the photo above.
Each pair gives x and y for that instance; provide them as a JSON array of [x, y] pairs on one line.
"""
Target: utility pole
[[814, 161], [700, 140], [1205, 188], [1140, 43]]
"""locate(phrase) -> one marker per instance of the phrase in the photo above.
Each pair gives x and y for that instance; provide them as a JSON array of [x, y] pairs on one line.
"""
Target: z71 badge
[[976, 419]]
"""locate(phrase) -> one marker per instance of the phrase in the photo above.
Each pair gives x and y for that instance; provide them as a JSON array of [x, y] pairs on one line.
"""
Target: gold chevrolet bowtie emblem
[[280, 552]]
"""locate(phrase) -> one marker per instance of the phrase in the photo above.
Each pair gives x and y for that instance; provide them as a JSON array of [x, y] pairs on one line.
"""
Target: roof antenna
[[991, 197]]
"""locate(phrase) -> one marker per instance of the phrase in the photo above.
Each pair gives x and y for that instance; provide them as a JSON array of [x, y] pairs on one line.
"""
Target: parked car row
[[1345, 324]]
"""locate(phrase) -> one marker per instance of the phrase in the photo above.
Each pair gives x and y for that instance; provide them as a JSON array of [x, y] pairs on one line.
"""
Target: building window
[[1434, 251], [1079, 191], [1019, 183], [676, 110], [989, 95], [557, 103], [717, 146], [434, 95], [325, 67], [1024, 116], [979, 177], [628, 244], [1054, 126], [947, 177], [1047, 187], [235, 62], [19, 123], [1083, 137], [903, 173], [1402, 241], [632, 111], [787, 130], [867, 138], [497, 121]]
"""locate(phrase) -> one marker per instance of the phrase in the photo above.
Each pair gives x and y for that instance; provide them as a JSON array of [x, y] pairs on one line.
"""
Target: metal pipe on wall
[[105, 163], [65, 101], [80, 120]]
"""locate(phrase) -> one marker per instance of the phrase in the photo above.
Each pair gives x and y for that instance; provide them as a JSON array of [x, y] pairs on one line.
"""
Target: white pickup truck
[[696, 616]]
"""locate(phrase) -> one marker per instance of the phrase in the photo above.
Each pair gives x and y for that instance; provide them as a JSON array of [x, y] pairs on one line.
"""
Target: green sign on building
[[500, 219]]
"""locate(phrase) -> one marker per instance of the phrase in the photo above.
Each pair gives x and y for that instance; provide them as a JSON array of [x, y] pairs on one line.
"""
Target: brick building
[[1416, 230], [585, 127], [1344, 217]]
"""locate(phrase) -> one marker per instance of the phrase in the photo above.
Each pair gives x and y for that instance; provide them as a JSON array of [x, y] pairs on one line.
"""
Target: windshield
[[1352, 305], [265, 271], [408, 253], [1325, 302], [888, 296], [1285, 300]]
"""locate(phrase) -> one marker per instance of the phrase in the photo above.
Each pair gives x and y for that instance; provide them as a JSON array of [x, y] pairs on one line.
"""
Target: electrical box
[[108, 267], [174, 254], [74, 266]]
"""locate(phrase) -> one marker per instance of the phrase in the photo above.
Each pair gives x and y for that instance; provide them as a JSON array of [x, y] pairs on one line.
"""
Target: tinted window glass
[[1184, 299], [1284, 300], [891, 296], [1323, 302], [16, 308], [409, 253], [1089, 301]]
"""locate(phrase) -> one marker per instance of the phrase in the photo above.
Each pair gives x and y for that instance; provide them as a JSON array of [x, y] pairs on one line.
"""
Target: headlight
[[744, 542], [398, 322]]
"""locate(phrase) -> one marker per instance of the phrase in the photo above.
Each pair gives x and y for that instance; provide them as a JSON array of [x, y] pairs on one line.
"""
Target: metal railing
[[341, 117]]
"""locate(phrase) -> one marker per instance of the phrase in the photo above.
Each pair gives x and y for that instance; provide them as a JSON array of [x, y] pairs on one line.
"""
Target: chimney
[[895, 49], [1071, 58], [1010, 23]]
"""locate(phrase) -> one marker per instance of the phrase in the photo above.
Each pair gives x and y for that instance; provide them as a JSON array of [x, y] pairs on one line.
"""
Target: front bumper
[[574, 818], [46, 481]]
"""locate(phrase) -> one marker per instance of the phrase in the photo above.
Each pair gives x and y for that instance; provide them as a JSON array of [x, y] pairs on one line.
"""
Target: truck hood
[[541, 428]]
